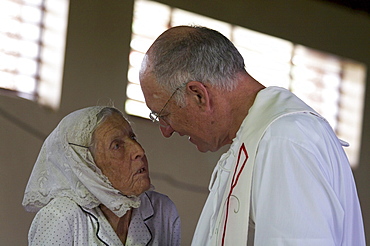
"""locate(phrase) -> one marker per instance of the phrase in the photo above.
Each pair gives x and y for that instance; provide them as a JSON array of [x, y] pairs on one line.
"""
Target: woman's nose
[[167, 130], [138, 151]]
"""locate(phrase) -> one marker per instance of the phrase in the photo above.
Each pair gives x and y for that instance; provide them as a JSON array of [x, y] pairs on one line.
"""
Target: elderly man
[[285, 179]]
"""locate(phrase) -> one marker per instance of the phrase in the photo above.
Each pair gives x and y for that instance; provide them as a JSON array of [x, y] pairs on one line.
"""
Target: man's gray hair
[[200, 54]]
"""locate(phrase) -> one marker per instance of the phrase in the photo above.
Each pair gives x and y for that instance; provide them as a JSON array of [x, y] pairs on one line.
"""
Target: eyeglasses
[[155, 117]]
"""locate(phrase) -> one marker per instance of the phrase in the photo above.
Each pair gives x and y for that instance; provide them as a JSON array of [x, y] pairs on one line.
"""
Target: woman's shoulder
[[63, 203], [62, 207], [59, 214], [157, 198], [160, 205], [154, 195]]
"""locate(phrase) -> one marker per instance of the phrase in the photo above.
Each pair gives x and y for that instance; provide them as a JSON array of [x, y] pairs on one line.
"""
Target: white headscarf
[[64, 168]]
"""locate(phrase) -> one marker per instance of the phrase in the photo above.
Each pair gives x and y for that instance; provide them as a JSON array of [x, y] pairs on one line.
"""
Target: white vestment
[[285, 178]]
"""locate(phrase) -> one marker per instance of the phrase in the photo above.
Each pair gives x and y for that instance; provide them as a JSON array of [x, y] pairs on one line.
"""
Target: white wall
[[95, 73]]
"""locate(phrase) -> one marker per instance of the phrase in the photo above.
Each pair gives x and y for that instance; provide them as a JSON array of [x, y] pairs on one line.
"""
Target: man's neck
[[239, 101]]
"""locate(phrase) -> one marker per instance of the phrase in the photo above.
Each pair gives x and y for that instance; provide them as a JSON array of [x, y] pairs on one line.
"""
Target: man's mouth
[[191, 140]]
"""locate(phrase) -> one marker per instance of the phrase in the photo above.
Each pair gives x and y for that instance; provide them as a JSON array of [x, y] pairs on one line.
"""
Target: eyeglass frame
[[155, 117]]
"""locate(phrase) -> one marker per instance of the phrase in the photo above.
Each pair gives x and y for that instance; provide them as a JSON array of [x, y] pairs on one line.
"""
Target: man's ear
[[199, 94]]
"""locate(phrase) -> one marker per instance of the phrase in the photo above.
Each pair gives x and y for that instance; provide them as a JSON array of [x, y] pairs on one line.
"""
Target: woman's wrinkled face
[[120, 157]]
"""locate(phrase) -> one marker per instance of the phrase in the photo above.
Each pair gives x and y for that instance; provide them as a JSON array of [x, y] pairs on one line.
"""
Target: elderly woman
[[90, 186]]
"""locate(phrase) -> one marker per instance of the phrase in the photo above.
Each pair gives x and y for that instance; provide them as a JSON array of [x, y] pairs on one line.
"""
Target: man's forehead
[[149, 86], [152, 91], [153, 94], [146, 69]]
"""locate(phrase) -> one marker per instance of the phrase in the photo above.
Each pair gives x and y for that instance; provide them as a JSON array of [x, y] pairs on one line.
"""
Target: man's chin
[[207, 148], [203, 149], [197, 145]]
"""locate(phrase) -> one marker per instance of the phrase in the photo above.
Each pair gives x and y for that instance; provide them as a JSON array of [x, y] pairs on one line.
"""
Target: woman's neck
[[119, 224]]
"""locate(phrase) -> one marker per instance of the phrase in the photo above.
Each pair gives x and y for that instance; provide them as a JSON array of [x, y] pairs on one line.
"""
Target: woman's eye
[[116, 146]]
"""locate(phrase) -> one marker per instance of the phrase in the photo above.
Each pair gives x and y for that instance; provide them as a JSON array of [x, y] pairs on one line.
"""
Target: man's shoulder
[[291, 124]]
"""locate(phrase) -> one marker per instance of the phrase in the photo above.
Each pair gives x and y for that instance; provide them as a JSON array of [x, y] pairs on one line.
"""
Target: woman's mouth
[[141, 170]]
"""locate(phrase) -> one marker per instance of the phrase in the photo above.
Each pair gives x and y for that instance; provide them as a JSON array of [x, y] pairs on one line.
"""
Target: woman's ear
[[199, 94]]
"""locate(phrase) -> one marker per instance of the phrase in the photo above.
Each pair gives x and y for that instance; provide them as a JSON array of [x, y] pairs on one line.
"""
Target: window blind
[[32, 41]]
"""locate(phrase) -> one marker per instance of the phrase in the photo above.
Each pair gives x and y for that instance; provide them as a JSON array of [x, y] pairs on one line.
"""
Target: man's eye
[[164, 116]]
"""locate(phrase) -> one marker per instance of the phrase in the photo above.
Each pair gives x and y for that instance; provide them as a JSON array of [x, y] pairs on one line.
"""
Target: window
[[32, 41], [332, 85]]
